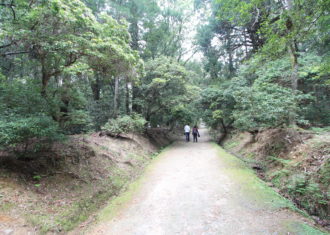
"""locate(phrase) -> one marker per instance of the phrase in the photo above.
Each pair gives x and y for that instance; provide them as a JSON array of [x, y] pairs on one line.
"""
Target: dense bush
[[165, 93], [20, 132], [264, 105], [309, 194], [125, 124]]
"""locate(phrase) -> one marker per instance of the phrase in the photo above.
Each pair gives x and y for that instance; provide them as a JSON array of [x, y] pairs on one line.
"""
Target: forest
[[77, 67], [70, 67]]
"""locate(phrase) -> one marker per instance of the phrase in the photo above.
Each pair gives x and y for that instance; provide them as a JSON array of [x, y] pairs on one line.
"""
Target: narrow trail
[[193, 190]]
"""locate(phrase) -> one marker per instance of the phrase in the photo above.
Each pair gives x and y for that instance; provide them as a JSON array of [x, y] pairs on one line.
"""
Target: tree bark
[[116, 98], [294, 63], [223, 133], [229, 50], [134, 30], [293, 51], [44, 79], [134, 26], [129, 97], [96, 88]]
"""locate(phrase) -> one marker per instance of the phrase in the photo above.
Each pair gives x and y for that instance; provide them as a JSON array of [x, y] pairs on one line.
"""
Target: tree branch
[[186, 61], [31, 2], [11, 6], [7, 5], [14, 53], [72, 60], [12, 9], [274, 19], [7, 45], [257, 18]]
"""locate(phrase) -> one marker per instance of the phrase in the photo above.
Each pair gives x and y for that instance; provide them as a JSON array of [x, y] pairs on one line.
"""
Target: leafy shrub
[[277, 177], [125, 124], [265, 105], [320, 130], [78, 122], [324, 173], [308, 194], [20, 131]]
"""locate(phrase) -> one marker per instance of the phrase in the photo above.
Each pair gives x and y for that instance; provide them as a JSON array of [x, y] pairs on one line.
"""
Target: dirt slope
[[197, 188], [59, 189]]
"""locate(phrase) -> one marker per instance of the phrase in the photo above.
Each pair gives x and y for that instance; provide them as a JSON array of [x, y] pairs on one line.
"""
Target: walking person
[[195, 133], [187, 132]]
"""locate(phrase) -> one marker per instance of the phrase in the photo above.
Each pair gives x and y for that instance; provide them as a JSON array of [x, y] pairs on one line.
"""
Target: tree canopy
[[261, 54]]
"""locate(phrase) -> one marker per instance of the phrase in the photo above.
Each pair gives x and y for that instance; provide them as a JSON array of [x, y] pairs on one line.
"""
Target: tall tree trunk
[[293, 51], [116, 98], [134, 26], [136, 108], [96, 87], [224, 132], [45, 77], [231, 64], [64, 110], [129, 97], [230, 53], [134, 31], [45, 80]]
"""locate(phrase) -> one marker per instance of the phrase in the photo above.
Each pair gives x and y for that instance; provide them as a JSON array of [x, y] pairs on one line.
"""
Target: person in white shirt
[[187, 132]]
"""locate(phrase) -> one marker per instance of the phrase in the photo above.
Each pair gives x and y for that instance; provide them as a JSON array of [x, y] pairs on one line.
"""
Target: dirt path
[[193, 190]]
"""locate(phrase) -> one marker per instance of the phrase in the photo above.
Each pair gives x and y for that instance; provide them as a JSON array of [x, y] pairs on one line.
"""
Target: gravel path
[[189, 191]]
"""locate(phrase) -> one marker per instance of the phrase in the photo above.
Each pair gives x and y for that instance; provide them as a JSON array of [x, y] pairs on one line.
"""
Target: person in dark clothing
[[195, 133]]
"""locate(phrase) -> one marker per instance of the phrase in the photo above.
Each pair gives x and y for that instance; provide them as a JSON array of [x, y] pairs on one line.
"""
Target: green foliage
[[314, 80], [309, 192], [16, 131], [21, 97], [59, 60], [110, 52], [165, 93], [55, 51], [23, 119], [271, 57], [182, 115], [263, 105], [166, 33], [320, 130], [283, 162], [37, 177], [230, 145], [78, 122], [218, 104], [260, 96], [125, 124], [325, 174], [277, 177]]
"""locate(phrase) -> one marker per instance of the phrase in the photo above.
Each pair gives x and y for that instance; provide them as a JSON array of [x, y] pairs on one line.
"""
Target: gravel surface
[[187, 191]]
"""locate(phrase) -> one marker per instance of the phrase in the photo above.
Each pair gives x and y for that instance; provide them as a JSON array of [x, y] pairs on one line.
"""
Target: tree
[[112, 57], [55, 33], [65, 43], [164, 91]]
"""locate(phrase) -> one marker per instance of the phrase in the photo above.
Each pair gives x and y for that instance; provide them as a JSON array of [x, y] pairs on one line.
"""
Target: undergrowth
[[300, 170], [71, 215], [265, 197], [306, 189]]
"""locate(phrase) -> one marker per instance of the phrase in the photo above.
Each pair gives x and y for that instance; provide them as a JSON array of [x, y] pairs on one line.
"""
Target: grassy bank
[[294, 162], [260, 194]]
